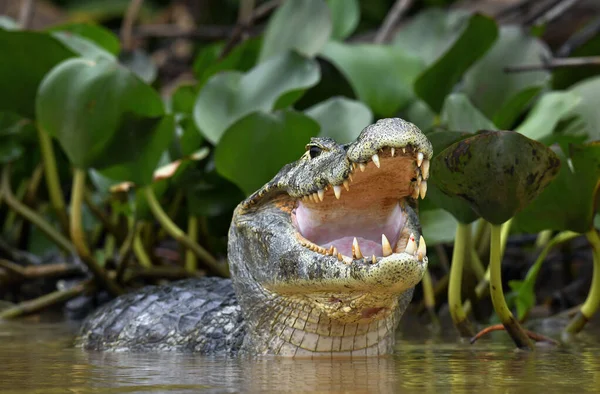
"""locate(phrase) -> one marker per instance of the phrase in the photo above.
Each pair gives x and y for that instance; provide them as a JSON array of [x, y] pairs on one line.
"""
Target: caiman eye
[[314, 151]]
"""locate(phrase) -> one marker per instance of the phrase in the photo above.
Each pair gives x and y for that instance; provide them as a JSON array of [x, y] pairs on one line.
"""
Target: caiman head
[[325, 256]]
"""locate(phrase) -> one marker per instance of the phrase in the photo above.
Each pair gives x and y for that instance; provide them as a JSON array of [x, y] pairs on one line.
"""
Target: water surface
[[40, 358]]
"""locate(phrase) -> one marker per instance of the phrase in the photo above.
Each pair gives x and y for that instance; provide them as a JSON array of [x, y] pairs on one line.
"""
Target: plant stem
[[138, 248], [174, 231], [78, 235], [512, 326], [107, 221], [52, 179], [191, 262], [592, 301], [429, 297], [461, 246], [31, 215], [543, 238], [125, 250]]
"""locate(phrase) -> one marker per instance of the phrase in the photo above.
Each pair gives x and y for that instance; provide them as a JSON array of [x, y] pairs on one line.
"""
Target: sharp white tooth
[[403, 150], [385, 246], [411, 245], [373, 259], [347, 185], [350, 177], [419, 180], [337, 190], [315, 197], [393, 152], [425, 169], [423, 189], [362, 167], [354, 166], [415, 191], [356, 250], [321, 194], [419, 159], [422, 251], [375, 159]]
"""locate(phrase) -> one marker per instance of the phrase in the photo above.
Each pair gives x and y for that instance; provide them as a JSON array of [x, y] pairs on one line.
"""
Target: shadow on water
[[39, 358]]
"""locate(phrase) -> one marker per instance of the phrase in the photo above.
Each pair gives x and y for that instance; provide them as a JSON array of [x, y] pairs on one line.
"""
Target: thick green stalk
[[78, 234], [31, 215], [52, 179], [511, 324], [590, 306], [462, 245], [138, 249], [429, 297], [180, 236], [191, 262], [125, 250]]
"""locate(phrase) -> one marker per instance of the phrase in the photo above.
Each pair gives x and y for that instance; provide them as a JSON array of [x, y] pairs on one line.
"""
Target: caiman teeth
[[422, 251], [419, 159], [373, 259], [362, 167], [423, 189], [411, 245], [347, 184], [356, 250], [337, 190], [425, 169], [415, 192], [385, 246], [375, 159], [321, 194], [393, 150]]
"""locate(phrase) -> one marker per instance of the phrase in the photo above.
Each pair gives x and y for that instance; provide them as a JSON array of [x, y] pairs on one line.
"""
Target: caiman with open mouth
[[323, 258]]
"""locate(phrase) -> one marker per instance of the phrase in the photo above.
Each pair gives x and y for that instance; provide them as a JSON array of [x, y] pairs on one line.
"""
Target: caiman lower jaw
[[367, 222]]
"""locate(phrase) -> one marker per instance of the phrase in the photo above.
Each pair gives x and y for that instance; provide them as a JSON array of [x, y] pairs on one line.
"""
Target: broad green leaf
[[568, 202], [141, 64], [459, 114], [255, 148], [381, 76], [547, 112], [229, 96], [183, 99], [15, 133], [418, 112], [493, 90], [101, 36], [437, 81], [565, 77], [345, 15], [587, 108], [340, 118], [7, 23], [10, 150], [300, 25], [82, 46], [26, 57], [498, 172], [85, 105], [439, 226], [209, 194], [431, 32]]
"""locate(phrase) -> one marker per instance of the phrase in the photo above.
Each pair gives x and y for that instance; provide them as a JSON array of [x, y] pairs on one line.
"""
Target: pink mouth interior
[[372, 207]]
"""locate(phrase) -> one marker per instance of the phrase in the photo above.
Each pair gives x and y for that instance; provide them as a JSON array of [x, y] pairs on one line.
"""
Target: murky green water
[[39, 358]]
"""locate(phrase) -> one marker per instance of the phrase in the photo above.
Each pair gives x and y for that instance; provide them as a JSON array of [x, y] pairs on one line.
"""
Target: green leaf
[[498, 173], [85, 105], [26, 58], [547, 112], [509, 113], [381, 75], [277, 138], [431, 32], [227, 97], [340, 118], [587, 108], [302, 25], [7, 23], [209, 194], [459, 114], [492, 90], [183, 99], [418, 112], [437, 81], [101, 36], [568, 203], [82, 46], [141, 64], [345, 15], [439, 226], [10, 150]]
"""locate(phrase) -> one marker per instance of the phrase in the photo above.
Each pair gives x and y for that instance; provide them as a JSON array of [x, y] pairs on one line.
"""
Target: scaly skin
[[300, 297]]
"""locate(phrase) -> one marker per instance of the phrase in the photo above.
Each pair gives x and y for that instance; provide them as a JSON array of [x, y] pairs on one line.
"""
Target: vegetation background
[[130, 130]]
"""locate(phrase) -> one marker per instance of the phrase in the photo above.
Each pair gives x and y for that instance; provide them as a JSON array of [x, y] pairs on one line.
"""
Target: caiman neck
[[294, 328]]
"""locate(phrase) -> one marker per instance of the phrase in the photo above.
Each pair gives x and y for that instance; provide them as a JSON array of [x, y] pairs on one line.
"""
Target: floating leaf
[[301, 25], [85, 105], [26, 58], [568, 203], [227, 97], [381, 75], [502, 96], [99, 35], [459, 114], [141, 64], [340, 118], [437, 81], [498, 172], [277, 138], [82, 46], [587, 108], [439, 226], [345, 15], [209, 194]]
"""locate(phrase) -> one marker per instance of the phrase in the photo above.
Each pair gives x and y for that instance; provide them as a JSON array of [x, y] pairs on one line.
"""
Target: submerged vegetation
[[117, 171]]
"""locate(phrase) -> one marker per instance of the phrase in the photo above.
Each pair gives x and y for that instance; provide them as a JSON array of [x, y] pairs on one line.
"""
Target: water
[[40, 358]]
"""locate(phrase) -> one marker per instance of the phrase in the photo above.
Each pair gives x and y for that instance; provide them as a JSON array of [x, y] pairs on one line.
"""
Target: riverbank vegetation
[[128, 134]]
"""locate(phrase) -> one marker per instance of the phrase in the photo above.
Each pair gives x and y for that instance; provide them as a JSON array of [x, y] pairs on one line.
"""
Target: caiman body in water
[[323, 260]]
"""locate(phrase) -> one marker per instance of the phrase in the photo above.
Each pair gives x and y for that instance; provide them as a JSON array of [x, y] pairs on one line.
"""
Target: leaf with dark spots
[[481, 170]]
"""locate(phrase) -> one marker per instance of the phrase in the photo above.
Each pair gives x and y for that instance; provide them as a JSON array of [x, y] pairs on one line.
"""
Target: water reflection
[[39, 358]]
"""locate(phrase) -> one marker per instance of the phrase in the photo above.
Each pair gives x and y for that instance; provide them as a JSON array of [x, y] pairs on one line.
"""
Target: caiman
[[323, 260]]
